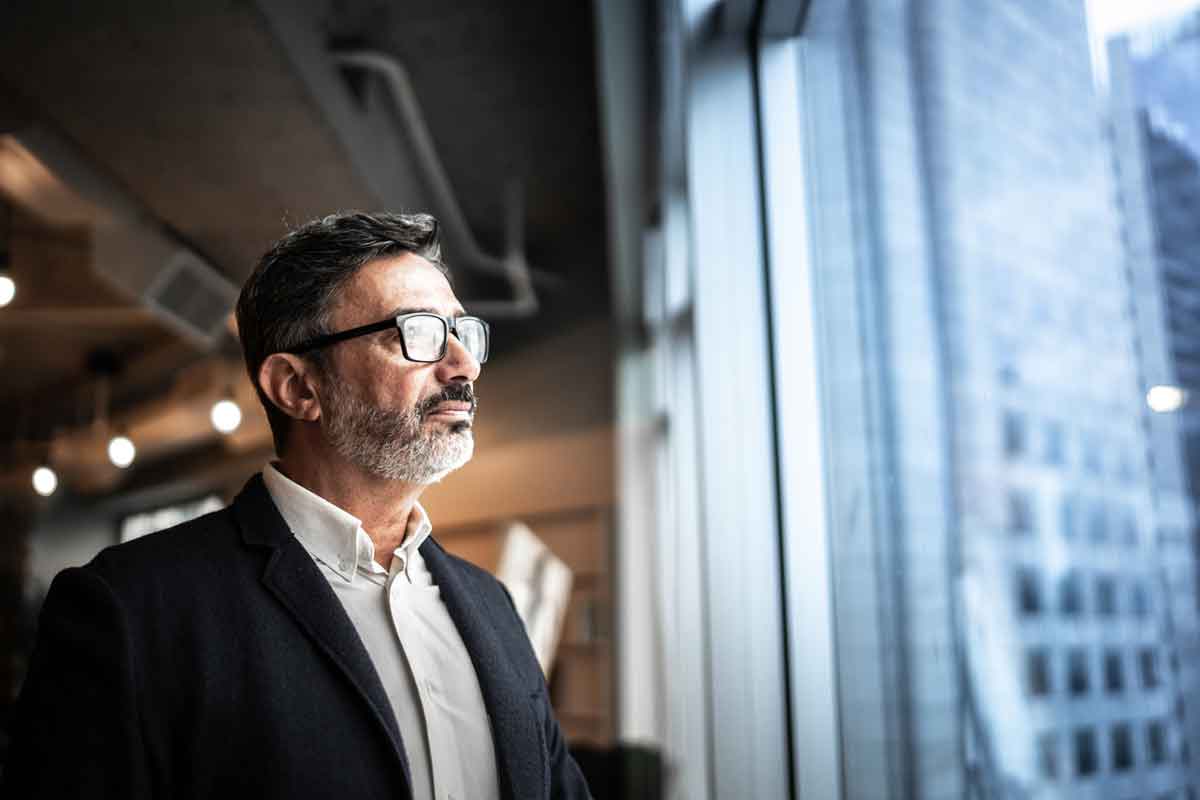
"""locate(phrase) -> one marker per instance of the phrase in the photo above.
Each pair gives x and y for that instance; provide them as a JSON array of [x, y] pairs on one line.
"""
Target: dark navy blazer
[[214, 660]]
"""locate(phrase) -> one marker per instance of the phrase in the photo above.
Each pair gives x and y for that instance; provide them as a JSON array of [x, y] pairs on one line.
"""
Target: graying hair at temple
[[289, 297]]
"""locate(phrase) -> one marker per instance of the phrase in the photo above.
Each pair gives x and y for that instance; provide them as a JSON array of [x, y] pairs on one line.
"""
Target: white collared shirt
[[416, 648]]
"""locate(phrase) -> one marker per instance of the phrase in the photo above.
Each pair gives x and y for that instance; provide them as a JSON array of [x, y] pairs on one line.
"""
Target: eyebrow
[[458, 311]]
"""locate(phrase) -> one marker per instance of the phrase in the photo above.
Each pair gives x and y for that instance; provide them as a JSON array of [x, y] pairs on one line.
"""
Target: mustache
[[455, 392]]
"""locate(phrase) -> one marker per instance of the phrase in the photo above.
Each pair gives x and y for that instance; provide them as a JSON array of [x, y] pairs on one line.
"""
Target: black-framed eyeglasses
[[423, 336]]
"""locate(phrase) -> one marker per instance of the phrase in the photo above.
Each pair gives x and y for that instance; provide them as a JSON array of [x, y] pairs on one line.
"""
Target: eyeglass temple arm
[[334, 338]]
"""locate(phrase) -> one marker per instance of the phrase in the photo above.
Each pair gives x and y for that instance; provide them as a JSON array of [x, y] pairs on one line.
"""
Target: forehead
[[388, 285]]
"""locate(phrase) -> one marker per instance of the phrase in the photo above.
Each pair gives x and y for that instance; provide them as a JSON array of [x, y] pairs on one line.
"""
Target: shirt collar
[[331, 534]]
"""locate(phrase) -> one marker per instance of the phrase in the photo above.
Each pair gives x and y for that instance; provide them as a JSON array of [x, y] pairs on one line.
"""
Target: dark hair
[[289, 297]]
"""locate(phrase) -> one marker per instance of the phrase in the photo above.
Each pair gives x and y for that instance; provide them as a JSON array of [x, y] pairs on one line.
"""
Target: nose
[[458, 364]]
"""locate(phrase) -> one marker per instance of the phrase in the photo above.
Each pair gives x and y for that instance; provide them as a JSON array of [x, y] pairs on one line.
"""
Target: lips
[[451, 407]]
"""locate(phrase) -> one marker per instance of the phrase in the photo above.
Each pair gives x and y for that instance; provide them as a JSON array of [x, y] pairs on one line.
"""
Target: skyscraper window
[[1148, 668], [1139, 599], [1047, 750], [1156, 741], [1130, 535], [1114, 671], [1037, 670], [1055, 443], [1068, 515], [1029, 591], [1015, 434], [1070, 594], [1020, 511], [1078, 674], [1122, 747], [1106, 596], [1097, 522], [1087, 760], [1093, 454]]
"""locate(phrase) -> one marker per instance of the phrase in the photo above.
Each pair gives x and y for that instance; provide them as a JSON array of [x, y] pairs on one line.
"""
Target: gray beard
[[390, 443]]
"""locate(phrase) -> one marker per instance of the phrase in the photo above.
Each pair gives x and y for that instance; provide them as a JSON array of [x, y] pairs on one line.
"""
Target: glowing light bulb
[[44, 481], [8, 290], [1164, 399], [121, 451], [226, 415]]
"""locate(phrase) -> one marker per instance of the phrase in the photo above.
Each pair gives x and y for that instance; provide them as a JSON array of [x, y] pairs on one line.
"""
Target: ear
[[291, 385]]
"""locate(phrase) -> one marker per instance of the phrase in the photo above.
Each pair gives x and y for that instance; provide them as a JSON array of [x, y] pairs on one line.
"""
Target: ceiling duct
[[133, 251], [170, 280]]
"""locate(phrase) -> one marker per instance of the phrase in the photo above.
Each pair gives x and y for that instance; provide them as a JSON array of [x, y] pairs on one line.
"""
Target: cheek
[[402, 388]]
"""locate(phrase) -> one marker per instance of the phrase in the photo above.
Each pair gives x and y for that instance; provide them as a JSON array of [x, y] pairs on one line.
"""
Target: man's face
[[394, 418]]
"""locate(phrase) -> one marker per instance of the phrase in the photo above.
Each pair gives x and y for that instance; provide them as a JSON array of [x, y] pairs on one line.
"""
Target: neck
[[382, 505]]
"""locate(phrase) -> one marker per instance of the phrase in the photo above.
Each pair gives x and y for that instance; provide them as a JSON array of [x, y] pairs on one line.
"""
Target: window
[[1093, 460], [1068, 516], [1130, 535], [1122, 747], [1125, 469], [1037, 667], [1114, 672], [953, 402], [1070, 595], [1106, 596], [1156, 742], [1086, 757], [1140, 600], [137, 525], [1055, 444], [1020, 511], [1097, 523], [1078, 675], [1014, 434], [1029, 592], [1047, 749], [1148, 667]]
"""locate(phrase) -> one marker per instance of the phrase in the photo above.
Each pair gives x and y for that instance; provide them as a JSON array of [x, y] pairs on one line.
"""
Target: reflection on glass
[[1007, 256]]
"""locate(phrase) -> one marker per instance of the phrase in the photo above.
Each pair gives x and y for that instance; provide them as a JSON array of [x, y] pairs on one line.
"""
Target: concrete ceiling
[[198, 111]]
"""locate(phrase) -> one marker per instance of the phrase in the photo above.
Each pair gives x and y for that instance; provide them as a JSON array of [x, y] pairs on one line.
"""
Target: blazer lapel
[[515, 729], [293, 577]]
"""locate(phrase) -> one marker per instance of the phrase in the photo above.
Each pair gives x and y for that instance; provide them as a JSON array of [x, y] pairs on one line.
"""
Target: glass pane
[[424, 337], [1004, 221]]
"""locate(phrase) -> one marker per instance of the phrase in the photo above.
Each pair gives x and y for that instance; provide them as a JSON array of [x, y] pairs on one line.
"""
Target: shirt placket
[[408, 631]]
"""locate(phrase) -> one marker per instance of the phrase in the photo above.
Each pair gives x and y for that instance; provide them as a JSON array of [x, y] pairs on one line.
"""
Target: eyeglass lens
[[425, 337], [474, 337]]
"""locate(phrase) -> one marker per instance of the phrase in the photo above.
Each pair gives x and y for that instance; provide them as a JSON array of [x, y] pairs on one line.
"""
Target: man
[[310, 640]]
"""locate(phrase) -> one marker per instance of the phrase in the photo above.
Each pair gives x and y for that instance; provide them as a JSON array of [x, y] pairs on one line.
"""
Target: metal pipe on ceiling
[[513, 265]]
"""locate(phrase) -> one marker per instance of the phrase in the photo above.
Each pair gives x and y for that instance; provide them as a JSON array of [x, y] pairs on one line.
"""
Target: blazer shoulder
[[213, 536]]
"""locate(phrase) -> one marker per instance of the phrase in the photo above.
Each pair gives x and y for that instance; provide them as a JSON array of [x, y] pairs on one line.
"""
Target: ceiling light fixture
[[45, 481], [226, 415], [121, 451]]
